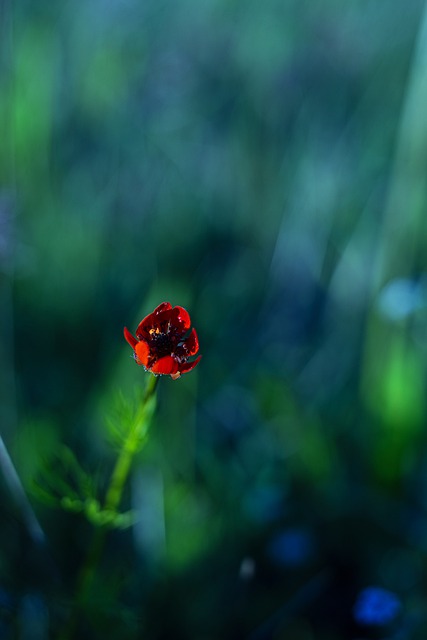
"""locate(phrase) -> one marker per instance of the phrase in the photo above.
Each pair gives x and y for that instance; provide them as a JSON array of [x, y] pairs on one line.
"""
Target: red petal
[[165, 366], [163, 306], [191, 344], [145, 325], [188, 347], [188, 366], [180, 318], [142, 351], [129, 338], [152, 320]]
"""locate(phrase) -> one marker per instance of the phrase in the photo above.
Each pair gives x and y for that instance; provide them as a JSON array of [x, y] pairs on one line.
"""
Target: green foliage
[[262, 164], [65, 484], [192, 527], [130, 415]]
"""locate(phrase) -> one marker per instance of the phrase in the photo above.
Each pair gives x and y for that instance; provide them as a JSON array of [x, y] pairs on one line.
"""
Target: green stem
[[124, 461], [112, 503], [120, 473]]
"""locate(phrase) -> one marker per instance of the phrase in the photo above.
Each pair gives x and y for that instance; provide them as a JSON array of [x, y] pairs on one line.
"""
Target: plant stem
[[124, 461], [112, 503]]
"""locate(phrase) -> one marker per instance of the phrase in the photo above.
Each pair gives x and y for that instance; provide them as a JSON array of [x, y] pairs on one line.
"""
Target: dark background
[[263, 164]]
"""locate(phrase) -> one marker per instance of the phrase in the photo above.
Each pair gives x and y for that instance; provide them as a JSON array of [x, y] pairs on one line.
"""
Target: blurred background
[[264, 165]]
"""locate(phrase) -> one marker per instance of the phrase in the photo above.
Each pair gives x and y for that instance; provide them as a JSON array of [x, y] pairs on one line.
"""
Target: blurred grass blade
[[17, 490]]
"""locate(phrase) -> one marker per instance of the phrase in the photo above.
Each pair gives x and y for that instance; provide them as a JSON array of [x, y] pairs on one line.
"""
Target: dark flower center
[[163, 344]]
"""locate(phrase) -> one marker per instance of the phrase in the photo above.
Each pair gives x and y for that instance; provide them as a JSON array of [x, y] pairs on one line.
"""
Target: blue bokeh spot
[[376, 606], [291, 548]]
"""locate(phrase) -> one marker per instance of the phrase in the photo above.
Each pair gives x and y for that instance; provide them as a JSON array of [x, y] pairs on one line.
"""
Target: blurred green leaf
[[129, 414]]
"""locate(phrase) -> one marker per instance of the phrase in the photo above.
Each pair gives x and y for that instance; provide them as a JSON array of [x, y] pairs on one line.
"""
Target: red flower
[[164, 343]]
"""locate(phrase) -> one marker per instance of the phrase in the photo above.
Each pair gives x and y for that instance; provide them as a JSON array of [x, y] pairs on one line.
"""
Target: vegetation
[[262, 165]]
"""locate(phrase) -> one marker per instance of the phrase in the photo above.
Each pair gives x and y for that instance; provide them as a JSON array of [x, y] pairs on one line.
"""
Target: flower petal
[[163, 306], [188, 366], [145, 325], [129, 338], [165, 366], [180, 318], [153, 319], [189, 346], [192, 343], [142, 352]]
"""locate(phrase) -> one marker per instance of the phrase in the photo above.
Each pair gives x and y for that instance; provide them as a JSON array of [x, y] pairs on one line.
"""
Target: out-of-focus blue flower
[[402, 297], [376, 606], [292, 547]]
